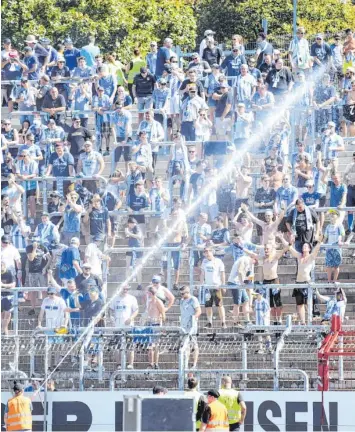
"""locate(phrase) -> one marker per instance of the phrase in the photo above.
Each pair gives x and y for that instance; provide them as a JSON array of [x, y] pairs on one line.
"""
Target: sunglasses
[[318, 38], [300, 33], [191, 151], [194, 58], [173, 61], [7, 124]]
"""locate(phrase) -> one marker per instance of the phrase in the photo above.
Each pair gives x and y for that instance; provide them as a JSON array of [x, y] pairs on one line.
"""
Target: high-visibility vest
[[136, 68], [197, 396], [229, 398], [219, 417], [19, 415]]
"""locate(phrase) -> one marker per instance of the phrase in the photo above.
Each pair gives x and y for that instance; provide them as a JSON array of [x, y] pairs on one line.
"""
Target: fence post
[[165, 126], [310, 304], [44, 193], [168, 271], [15, 320], [244, 359], [123, 355], [81, 368], [341, 358], [45, 384]]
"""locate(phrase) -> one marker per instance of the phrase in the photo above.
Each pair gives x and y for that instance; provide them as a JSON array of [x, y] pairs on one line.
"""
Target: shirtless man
[[243, 182], [270, 262], [155, 315], [269, 227]]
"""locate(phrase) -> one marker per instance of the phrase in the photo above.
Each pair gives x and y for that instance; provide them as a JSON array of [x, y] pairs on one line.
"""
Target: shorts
[[145, 103], [216, 298], [174, 107], [175, 256], [234, 427], [198, 257], [333, 258], [239, 201], [211, 102], [193, 343], [275, 299], [159, 118], [240, 295], [30, 192], [105, 128], [6, 304], [126, 150], [350, 197], [300, 296], [146, 339]]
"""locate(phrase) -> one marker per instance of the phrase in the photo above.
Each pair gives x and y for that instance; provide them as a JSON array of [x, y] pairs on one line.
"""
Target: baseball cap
[[214, 393], [75, 117], [5, 239], [334, 211], [162, 81], [51, 290], [224, 85], [331, 123], [319, 36], [240, 104], [269, 212], [209, 32], [100, 88], [68, 40], [86, 265], [24, 79], [45, 214], [52, 121], [74, 240], [309, 183], [7, 41], [216, 66], [93, 289], [143, 69], [44, 40], [139, 182], [27, 49], [156, 278]]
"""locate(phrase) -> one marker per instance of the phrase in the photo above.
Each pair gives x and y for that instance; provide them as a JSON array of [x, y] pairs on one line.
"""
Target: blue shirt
[[66, 269], [109, 85], [71, 220], [71, 57], [232, 64], [311, 198], [336, 193], [30, 62], [33, 149], [60, 165], [288, 195], [121, 121], [151, 62], [159, 97], [82, 73], [98, 223], [81, 103], [89, 52], [163, 56]]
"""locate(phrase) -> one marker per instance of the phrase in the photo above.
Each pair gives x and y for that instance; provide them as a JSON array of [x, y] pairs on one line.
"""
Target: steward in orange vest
[[215, 415], [18, 412]]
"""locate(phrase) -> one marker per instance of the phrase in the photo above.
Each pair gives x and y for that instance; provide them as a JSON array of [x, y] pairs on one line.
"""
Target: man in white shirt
[[298, 52], [124, 309], [54, 308], [11, 256], [213, 275], [94, 257]]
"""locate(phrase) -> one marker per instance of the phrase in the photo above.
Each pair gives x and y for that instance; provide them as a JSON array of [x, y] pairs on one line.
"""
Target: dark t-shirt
[[77, 138], [212, 55], [98, 223], [193, 182], [279, 80], [198, 84], [58, 102], [265, 196], [221, 104], [269, 49], [83, 283], [39, 262], [91, 310], [61, 164], [302, 234], [6, 278]]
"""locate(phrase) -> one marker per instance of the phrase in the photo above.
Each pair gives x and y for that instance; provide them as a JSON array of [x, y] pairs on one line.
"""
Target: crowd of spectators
[[81, 110]]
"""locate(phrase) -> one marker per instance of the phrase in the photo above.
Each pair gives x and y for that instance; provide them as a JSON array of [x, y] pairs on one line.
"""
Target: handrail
[[279, 346]]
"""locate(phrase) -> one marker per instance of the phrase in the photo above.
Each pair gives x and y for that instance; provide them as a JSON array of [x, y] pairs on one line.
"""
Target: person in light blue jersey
[[151, 57], [90, 51]]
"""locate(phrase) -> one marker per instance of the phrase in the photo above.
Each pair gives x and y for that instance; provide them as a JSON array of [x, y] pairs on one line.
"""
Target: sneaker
[[129, 366], [139, 287], [31, 312], [208, 325], [156, 366], [224, 325], [260, 351], [175, 287]]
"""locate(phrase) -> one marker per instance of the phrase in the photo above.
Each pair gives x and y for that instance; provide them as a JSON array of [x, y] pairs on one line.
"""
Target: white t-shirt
[[14, 197], [212, 271], [9, 255], [123, 308], [242, 266], [93, 256], [54, 310]]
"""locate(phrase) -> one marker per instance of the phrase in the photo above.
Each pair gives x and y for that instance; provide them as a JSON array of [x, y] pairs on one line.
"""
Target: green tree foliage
[[244, 17], [118, 25]]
